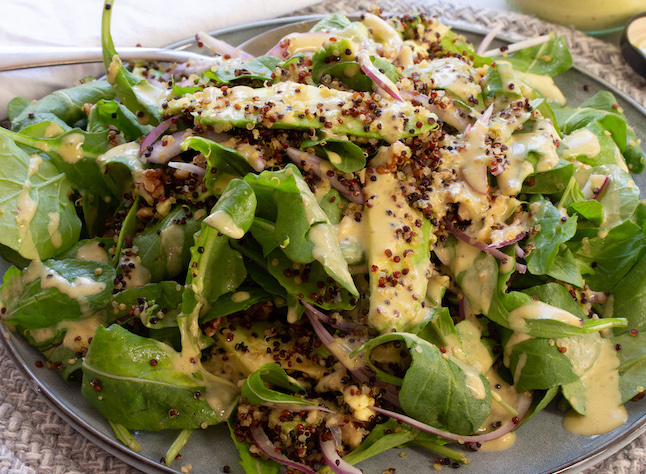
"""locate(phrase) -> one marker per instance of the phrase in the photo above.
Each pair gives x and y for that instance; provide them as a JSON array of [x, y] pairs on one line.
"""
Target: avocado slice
[[398, 254], [299, 106]]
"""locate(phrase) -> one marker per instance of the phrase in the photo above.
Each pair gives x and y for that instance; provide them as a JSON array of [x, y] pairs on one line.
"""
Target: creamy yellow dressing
[[70, 149], [581, 142], [224, 223], [604, 411], [539, 310], [92, 251]]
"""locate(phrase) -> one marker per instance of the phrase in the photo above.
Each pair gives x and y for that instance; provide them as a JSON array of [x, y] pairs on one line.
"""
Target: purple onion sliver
[[521, 268], [267, 447], [347, 327], [524, 403], [602, 187], [155, 133], [520, 253], [222, 47], [334, 461], [380, 79], [309, 162], [506, 243], [190, 167], [486, 41], [479, 245]]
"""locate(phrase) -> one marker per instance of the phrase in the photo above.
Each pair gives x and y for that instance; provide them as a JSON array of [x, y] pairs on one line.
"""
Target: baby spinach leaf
[[612, 256], [110, 112], [302, 229], [64, 107], [234, 212], [157, 304], [48, 292], [224, 163], [170, 393], [554, 231], [444, 393], [210, 251], [382, 437], [538, 365], [334, 22], [240, 300], [256, 71], [344, 155], [629, 301], [255, 390], [553, 181], [73, 152], [45, 222], [548, 59], [164, 247], [133, 91]]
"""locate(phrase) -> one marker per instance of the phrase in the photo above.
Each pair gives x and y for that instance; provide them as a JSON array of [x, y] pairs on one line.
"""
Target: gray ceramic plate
[[542, 445]]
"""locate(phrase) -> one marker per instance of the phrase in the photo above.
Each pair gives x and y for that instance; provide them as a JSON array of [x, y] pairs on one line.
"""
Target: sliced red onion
[[448, 115], [486, 41], [362, 374], [379, 78], [485, 248], [313, 163], [524, 403], [464, 308], [603, 186], [347, 327], [221, 47], [512, 48], [597, 296], [486, 116], [506, 243], [189, 167], [333, 460], [155, 133], [497, 169], [163, 153], [520, 253], [267, 447]]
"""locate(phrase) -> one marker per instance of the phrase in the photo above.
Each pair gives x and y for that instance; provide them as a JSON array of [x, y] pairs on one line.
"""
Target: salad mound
[[373, 236]]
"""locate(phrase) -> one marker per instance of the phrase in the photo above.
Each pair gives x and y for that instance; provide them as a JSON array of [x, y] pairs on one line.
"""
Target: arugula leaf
[[169, 393], [255, 390], [444, 393]]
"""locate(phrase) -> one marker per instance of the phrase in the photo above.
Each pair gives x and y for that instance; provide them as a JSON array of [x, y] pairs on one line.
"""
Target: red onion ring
[[449, 116], [263, 442], [486, 41]]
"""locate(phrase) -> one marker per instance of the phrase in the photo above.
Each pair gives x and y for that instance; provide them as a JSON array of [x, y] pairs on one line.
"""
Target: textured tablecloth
[[34, 439]]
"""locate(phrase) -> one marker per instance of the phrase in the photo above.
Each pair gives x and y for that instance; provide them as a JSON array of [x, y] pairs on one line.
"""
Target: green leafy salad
[[373, 236]]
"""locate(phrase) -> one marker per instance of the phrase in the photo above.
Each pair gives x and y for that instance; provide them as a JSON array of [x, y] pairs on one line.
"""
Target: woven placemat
[[34, 439]]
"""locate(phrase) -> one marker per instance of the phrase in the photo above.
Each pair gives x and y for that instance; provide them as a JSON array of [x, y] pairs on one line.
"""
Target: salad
[[376, 235]]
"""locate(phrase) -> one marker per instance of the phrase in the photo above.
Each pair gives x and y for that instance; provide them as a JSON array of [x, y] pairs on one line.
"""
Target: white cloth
[[151, 23]]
